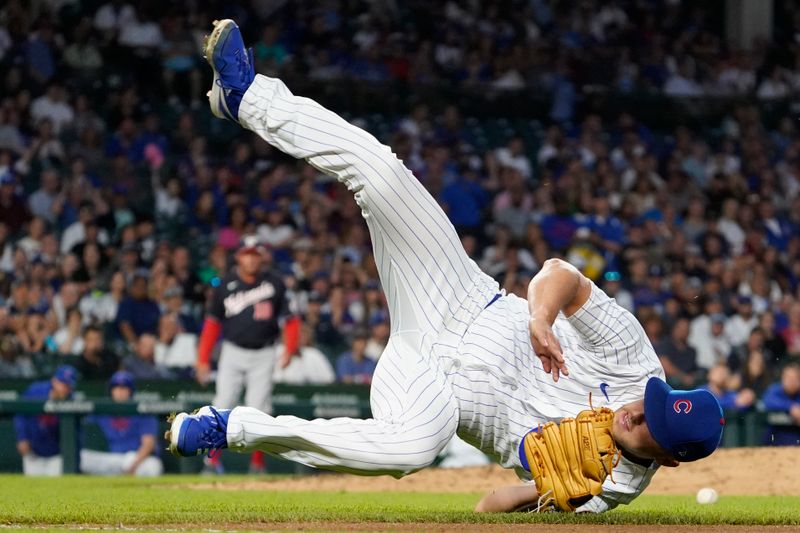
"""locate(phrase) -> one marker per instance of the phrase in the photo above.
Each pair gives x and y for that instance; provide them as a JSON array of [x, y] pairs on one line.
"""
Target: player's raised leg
[[415, 417], [431, 283]]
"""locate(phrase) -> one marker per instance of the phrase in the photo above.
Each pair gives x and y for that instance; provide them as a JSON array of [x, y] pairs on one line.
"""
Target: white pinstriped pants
[[434, 292]]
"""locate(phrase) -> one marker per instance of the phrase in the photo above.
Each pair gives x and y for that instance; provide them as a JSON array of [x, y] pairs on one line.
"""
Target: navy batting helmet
[[121, 379]]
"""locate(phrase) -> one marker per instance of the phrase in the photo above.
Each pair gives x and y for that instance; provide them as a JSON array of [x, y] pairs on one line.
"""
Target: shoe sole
[[173, 433], [221, 30]]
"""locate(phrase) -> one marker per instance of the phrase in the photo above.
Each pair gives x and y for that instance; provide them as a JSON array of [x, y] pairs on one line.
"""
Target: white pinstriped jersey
[[452, 364], [503, 391]]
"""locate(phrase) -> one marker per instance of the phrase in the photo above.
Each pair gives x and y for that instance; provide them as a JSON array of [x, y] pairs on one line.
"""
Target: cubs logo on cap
[[688, 424], [682, 406]]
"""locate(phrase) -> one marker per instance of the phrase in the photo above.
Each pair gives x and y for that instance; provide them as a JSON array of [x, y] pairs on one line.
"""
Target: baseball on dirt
[[707, 496]]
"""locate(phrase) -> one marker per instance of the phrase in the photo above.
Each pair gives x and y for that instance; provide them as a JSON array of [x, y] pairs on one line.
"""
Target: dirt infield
[[741, 471]]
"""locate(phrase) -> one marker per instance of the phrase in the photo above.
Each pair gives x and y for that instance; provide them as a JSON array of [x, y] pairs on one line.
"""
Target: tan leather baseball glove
[[569, 461]]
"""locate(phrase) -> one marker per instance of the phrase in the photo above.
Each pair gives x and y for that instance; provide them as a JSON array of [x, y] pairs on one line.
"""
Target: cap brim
[[250, 250], [655, 401]]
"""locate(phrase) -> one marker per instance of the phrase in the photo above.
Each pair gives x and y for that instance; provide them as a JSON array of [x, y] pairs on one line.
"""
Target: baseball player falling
[[463, 357], [247, 309]]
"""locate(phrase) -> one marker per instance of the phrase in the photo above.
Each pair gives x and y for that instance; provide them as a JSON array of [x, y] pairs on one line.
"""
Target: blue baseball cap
[[686, 423], [7, 178], [67, 375], [121, 378]]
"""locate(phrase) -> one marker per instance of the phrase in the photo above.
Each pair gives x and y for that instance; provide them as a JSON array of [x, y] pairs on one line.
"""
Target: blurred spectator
[[83, 55], [354, 366], [42, 202], [275, 231], [68, 297], [719, 384], [131, 440], [755, 342], [607, 229], [320, 318], [13, 211], [181, 267], [774, 85], [709, 340], [31, 244], [69, 339], [678, 358], [102, 307], [96, 362], [513, 155], [173, 305], [612, 285], [774, 345], [33, 332], [176, 347], [38, 435], [791, 333], [142, 363], [309, 367], [137, 313], [682, 84], [180, 61], [738, 327], [53, 106], [784, 397], [378, 338], [112, 16], [755, 374], [76, 233]]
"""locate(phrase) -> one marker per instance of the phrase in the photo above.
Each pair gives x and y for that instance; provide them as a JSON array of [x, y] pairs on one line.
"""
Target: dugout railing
[[160, 398]]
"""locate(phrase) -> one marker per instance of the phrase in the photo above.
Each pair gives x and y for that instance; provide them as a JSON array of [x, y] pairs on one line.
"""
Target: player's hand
[[547, 348], [795, 412], [286, 358], [202, 373], [24, 447], [745, 398]]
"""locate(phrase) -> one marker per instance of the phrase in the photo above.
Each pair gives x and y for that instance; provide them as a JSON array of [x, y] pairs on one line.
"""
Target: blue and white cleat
[[199, 433], [233, 68]]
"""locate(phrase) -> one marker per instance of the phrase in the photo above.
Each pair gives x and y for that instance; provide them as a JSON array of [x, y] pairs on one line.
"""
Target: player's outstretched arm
[[558, 287], [511, 499]]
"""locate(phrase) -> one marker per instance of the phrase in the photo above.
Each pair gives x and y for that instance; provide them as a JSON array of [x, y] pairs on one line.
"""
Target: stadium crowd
[[117, 218]]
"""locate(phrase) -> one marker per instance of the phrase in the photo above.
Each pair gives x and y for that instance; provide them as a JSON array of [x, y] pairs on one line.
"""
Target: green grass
[[128, 501]]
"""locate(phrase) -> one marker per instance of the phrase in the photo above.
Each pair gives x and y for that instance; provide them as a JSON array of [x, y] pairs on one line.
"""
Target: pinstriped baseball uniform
[[458, 359]]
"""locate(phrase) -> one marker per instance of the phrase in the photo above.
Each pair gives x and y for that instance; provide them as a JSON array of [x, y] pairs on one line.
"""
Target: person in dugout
[[131, 439], [38, 435]]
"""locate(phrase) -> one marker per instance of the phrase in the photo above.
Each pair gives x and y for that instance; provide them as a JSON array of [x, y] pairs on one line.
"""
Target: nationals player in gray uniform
[[463, 356], [248, 309]]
